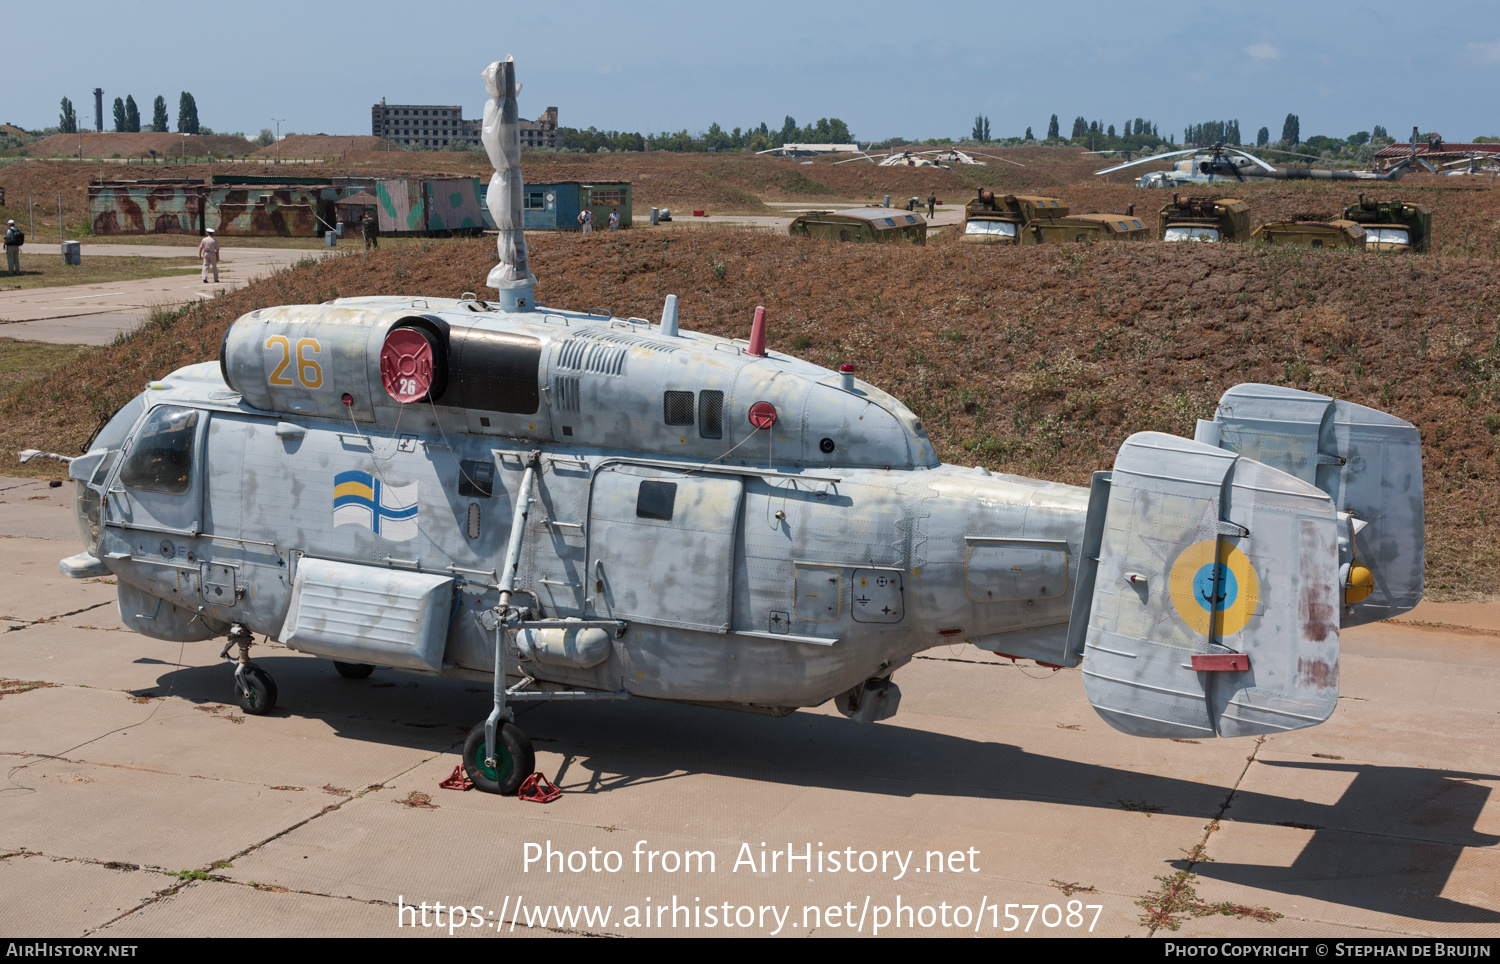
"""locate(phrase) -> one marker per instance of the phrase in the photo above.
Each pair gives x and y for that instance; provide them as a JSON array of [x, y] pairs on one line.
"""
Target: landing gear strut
[[254, 689], [498, 757]]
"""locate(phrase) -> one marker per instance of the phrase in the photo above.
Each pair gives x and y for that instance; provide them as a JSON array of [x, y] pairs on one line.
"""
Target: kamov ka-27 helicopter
[[1209, 165], [574, 506]]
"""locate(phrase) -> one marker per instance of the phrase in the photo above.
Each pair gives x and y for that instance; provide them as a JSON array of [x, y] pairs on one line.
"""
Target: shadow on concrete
[[1389, 844]]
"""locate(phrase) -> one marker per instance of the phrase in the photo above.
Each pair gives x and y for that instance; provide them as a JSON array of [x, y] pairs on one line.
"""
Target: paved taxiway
[[138, 800]]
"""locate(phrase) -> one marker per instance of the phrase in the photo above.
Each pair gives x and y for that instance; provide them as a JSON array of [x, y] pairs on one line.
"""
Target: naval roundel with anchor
[[1214, 588]]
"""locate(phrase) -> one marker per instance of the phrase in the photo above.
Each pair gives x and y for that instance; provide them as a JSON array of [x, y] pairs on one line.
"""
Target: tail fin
[[1218, 571]]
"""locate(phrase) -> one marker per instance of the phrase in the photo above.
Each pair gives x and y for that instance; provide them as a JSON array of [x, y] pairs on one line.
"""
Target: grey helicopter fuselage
[[763, 567]]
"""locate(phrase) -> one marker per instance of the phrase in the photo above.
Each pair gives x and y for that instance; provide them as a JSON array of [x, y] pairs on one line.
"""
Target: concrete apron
[[140, 800]]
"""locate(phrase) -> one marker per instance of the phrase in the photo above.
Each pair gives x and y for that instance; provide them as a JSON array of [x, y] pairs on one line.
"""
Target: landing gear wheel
[[514, 759], [259, 696], [353, 670]]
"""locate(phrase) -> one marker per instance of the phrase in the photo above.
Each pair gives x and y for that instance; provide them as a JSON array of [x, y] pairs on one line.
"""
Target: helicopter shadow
[[1389, 844]]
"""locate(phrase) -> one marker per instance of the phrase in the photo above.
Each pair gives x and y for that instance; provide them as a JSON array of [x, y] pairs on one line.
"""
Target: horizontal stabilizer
[[1369, 462], [1213, 608]]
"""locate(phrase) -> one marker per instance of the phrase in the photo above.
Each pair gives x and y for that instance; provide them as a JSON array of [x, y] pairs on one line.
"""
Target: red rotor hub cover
[[762, 415], [406, 365]]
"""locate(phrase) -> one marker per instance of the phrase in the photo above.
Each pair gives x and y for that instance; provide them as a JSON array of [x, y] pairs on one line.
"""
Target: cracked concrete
[[140, 801]]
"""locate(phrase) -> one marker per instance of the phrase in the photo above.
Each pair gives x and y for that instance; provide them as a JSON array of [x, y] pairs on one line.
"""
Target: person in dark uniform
[[372, 231], [931, 206]]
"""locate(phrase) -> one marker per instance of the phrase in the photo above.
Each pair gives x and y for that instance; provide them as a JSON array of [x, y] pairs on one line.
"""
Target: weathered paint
[[1312, 234], [146, 208], [1230, 217], [755, 567], [861, 225], [555, 206], [1085, 227], [233, 208], [400, 205]]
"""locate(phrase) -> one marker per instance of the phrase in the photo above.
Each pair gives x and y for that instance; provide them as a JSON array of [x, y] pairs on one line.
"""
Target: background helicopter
[[941, 157], [1207, 165]]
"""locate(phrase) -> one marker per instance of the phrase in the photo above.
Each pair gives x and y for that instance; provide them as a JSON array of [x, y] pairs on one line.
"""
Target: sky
[[914, 70]]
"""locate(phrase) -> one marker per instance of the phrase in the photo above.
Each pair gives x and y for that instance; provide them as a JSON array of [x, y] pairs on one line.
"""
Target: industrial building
[[439, 126]]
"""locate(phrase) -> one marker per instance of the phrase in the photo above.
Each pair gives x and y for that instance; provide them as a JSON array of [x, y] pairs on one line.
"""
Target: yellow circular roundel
[[1214, 588]]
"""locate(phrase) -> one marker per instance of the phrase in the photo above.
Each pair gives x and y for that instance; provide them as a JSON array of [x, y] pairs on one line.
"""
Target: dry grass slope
[[1036, 361]]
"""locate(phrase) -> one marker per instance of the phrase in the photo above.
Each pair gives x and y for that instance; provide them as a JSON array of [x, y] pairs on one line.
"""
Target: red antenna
[[758, 333]]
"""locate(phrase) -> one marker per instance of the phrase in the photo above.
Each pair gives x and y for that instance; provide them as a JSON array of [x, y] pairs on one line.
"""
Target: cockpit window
[[161, 460]]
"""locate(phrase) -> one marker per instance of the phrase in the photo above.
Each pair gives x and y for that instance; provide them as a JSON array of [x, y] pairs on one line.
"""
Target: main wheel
[[259, 696], [514, 759], [353, 670]]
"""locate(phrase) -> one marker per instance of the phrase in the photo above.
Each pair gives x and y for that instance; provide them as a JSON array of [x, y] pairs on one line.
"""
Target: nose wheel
[[254, 689], [502, 771]]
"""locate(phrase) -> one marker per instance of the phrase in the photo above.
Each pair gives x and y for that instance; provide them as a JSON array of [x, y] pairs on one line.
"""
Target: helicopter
[[571, 506], [944, 158], [1208, 165]]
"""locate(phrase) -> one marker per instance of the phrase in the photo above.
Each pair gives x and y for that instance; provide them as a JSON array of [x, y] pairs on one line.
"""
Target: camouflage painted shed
[[147, 207]]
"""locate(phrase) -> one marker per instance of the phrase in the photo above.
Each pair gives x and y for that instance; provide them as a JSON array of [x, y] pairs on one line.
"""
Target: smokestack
[[501, 135], [99, 109]]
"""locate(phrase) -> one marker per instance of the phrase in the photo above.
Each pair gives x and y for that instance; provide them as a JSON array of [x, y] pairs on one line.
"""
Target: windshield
[[1191, 233], [1387, 236], [1004, 229]]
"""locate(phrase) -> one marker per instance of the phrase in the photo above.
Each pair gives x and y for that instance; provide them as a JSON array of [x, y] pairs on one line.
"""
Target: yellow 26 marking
[[309, 372]]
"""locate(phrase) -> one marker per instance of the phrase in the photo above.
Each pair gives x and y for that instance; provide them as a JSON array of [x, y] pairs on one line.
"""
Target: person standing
[[931, 206], [208, 250], [614, 219], [371, 230], [14, 238], [586, 221]]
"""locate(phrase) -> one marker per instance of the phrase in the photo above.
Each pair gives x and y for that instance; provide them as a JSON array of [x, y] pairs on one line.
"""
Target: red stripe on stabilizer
[[1220, 662]]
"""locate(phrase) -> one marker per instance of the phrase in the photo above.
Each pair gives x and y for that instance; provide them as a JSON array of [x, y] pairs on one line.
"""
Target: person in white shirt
[[208, 250], [586, 220]]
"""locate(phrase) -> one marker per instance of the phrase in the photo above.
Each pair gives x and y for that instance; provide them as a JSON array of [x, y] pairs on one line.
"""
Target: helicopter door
[[661, 547], [160, 484]]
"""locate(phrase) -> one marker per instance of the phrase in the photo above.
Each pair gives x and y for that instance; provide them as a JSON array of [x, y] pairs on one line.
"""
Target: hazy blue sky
[[887, 68]]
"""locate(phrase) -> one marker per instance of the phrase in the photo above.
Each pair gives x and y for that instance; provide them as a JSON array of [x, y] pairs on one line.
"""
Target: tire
[[261, 697], [513, 763], [353, 670]]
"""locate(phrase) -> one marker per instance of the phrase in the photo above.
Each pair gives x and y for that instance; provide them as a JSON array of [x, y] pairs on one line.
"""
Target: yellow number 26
[[308, 370]]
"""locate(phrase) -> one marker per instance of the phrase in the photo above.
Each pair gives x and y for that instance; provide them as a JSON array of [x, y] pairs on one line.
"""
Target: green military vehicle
[[1085, 227], [1203, 219], [1392, 225], [877, 225], [989, 219], [1310, 232]]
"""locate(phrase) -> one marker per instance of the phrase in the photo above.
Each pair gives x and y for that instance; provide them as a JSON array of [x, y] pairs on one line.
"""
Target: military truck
[[1392, 225], [1203, 219], [1312, 233], [1085, 227], [877, 225], [989, 219]]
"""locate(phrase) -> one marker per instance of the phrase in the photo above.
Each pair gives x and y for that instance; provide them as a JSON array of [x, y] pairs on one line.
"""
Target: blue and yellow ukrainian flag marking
[[1214, 588], [359, 499]]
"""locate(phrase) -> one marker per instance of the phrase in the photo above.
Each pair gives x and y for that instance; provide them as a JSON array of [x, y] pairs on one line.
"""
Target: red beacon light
[[846, 377], [406, 365]]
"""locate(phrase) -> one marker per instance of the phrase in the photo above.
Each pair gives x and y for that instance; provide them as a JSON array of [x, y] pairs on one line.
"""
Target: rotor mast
[[512, 278]]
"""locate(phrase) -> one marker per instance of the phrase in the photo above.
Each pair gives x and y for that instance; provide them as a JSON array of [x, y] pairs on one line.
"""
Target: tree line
[[825, 130], [127, 116]]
